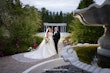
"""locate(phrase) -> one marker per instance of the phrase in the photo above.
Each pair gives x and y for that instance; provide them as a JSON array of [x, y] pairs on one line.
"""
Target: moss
[[86, 53]]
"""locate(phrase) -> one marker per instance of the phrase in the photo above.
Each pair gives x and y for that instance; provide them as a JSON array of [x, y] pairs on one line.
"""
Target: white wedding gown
[[44, 50]]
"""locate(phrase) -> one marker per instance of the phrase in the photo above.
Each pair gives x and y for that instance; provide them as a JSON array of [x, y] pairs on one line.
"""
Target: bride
[[46, 48]]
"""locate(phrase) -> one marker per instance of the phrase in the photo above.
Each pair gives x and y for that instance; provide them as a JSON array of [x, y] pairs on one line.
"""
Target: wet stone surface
[[65, 69]]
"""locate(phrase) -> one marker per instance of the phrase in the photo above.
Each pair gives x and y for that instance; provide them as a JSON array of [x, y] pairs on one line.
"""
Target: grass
[[86, 53]]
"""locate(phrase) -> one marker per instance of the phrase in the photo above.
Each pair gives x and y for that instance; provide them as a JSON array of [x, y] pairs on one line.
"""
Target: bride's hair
[[47, 31]]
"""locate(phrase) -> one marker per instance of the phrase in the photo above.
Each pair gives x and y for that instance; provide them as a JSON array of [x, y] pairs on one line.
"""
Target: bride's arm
[[46, 35]]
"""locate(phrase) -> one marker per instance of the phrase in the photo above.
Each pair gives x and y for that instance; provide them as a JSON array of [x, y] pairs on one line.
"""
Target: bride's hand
[[47, 40], [46, 37]]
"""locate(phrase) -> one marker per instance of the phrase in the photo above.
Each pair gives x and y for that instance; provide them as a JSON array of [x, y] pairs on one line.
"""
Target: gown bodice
[[50, 35]]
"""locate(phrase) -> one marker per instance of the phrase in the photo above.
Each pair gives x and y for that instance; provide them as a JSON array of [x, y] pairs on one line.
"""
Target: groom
[[56, 37]]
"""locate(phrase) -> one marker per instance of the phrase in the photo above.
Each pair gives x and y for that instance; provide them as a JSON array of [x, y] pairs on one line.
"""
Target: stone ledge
[[69, 54]]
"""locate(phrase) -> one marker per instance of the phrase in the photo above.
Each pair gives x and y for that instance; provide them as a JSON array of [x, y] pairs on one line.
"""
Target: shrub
[[38, 39], [84, 34], [86, 53], [20, 23], [8, 47]]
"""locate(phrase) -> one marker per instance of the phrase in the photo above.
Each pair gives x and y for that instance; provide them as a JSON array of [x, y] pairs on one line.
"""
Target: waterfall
[[95, 61]]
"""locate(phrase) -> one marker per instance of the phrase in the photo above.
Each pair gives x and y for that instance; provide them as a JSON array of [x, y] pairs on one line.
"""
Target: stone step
[[87, 67], [71, 59], [82, 66], [97, 70], [76, 62], [67, 58], [79, 64], [105, 70], [71, 56], [91, 69], [66, 55]]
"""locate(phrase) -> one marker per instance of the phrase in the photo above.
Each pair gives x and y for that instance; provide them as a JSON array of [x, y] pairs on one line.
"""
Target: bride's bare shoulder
[[50, 33]]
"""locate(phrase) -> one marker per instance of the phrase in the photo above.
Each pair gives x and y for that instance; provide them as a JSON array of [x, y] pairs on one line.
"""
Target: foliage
[[86, 53], [10, 48], [24, 22], [21, 23], [85, 3], [52, 17], [56, 17], [38, 39], [81, 33]]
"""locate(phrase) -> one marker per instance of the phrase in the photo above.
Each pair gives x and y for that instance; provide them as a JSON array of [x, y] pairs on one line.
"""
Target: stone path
[[63, 34], [42, 67], [18, 64], [10, 65], [20, 57]]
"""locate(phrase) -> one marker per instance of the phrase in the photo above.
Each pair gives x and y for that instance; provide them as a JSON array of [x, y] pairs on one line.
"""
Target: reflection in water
[[95, 61]]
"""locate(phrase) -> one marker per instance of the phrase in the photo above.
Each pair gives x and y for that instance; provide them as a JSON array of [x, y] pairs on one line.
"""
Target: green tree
[[24, 22], [44, 14], [69, 18], [81, 33], [85, 3], [56, 17], [21, 22]]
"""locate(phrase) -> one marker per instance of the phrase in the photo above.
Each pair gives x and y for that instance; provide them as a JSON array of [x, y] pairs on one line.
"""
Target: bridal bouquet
[[46, 40]]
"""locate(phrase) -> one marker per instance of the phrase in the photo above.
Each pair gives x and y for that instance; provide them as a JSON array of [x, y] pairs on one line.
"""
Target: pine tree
[[56, 17], [85, 3], [61, 17]]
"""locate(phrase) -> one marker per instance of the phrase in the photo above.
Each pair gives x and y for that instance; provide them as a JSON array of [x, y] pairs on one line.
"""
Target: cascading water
[[95, 61]]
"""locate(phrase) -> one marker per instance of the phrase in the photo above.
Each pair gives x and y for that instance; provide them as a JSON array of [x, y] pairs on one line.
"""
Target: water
[[95, 61], [65, 69]]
